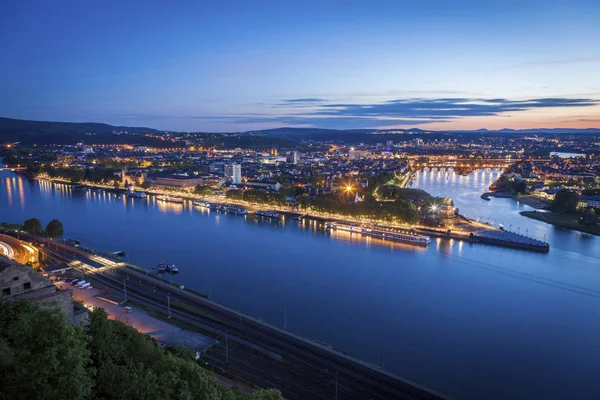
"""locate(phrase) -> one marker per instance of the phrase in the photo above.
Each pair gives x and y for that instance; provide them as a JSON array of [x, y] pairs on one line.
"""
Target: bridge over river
[[5, 168]]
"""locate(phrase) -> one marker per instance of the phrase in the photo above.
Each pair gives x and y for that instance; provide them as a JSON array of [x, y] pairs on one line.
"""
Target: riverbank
[[527, 199], [499, 194], [470, 231], [569, 221]]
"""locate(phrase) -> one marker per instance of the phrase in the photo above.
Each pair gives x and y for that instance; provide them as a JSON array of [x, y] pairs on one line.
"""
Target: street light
[[169, 304], [336, 383], [220, 331], [125, 288]]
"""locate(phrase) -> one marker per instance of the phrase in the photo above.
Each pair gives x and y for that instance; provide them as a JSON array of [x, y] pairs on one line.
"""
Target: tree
[[54, 229], [304, 202], [565, 201], [41, 355], [33, 226], [518, 186], [588, 218], [131, 365], [369, 198], [234, 194], [146, 185], [203, 190]]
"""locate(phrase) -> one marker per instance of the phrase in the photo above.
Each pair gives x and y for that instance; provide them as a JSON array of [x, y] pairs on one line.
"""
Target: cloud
[[321, 113], [447, 108], [303, 101], [344, 122], [413, 111], [561, 61]]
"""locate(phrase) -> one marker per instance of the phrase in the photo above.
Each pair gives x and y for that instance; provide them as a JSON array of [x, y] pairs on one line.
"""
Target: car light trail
[[6, 250]]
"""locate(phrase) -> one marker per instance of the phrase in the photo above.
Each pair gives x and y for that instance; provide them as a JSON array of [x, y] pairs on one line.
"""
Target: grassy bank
[[530, 200], [570, 221]]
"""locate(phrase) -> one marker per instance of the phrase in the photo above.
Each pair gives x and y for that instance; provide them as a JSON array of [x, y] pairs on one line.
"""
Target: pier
[[482, 235]]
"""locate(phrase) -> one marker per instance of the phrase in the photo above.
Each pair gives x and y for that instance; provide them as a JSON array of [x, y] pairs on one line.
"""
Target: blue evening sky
[[241, 65]]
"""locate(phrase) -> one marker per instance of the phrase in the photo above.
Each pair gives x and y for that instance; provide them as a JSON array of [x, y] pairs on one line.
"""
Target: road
[[140, 320], [17, 250], [249, 348]]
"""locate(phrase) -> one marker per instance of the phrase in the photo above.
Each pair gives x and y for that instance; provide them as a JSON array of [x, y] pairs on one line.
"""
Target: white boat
[[170, 199], [268, 214], [398, 235], [239, 210], [382, 232], [202, 203], [173, 269], [162, 267], [344, 227], [235, 210]]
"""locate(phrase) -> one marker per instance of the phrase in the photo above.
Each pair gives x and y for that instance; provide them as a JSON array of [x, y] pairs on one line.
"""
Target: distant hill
[[44, 132], [381, 135], [57, 132], [546, 130], [290, 132]]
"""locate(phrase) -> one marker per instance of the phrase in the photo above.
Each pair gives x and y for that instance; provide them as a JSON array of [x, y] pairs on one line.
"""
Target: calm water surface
[[472, 321]]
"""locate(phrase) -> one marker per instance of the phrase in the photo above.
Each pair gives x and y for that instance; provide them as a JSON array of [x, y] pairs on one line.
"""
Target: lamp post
[[169, 304], [336, 385], [226, 345], [125, 278]]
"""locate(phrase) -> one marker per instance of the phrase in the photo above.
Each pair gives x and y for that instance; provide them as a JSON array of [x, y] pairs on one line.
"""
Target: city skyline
[[236, 67]]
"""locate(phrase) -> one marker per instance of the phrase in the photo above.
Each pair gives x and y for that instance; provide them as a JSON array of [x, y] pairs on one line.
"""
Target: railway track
[[306, 370]]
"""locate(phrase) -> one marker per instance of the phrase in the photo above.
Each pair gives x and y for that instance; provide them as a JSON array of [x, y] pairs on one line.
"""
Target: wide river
[[472, 321]]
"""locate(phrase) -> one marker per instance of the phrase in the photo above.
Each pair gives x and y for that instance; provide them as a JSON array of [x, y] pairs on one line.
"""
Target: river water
[[472, 321]]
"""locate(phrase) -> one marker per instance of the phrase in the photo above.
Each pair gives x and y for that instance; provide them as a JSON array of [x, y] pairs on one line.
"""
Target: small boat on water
[[170, 199], [202, 203], [220, 207], [236, 210], [172, 268], [164, 267], [268, 214]]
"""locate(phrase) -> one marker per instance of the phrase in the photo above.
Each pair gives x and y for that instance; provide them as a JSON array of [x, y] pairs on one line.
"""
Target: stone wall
[[19, 282]]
